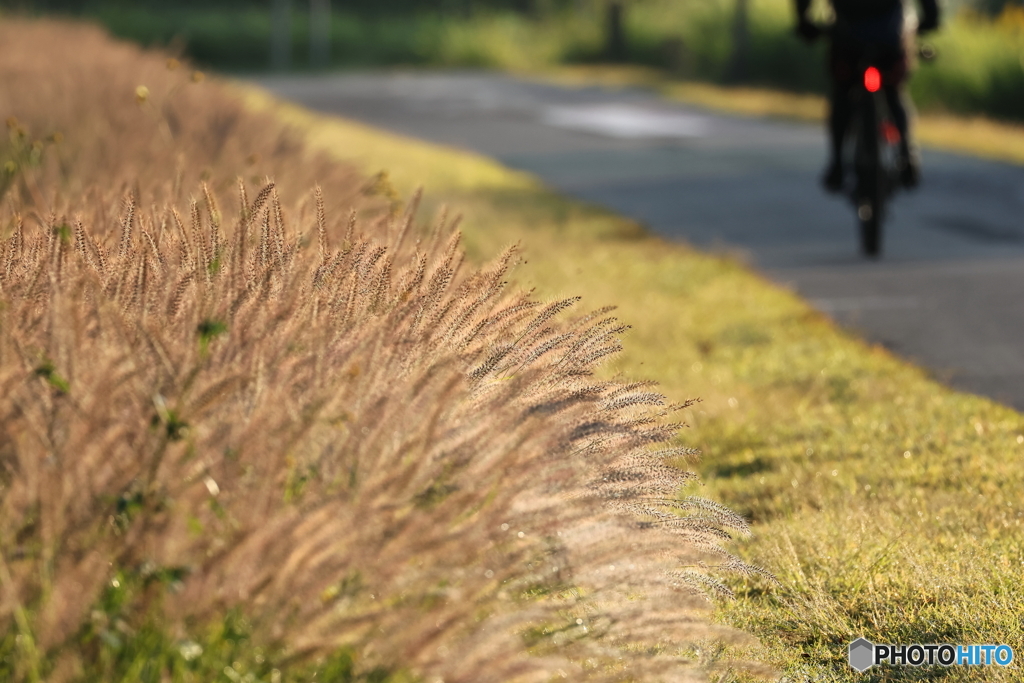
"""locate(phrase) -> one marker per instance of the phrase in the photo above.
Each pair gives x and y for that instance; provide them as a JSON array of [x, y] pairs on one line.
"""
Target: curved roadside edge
[[973, 135]]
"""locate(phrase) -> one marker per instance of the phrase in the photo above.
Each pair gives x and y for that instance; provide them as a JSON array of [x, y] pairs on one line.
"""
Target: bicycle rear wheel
[[870, 192], [869, 215]]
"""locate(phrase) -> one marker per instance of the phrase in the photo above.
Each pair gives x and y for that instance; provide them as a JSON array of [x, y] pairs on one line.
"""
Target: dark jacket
[[865, 10]]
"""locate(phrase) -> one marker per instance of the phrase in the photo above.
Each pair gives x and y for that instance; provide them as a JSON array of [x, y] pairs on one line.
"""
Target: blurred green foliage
[[372, 7], [980, 69]]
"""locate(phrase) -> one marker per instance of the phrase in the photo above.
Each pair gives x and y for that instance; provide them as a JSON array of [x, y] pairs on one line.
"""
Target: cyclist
[[859, 24]]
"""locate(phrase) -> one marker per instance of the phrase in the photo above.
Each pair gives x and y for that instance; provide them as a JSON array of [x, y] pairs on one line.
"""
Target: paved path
[[949, 293]]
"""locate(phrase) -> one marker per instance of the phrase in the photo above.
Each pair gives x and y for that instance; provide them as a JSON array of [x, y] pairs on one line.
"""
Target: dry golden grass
[[89, 118], [305, 410], [888, 505]]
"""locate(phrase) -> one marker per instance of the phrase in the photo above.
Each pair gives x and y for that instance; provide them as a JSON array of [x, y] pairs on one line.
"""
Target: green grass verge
[[889, 506]]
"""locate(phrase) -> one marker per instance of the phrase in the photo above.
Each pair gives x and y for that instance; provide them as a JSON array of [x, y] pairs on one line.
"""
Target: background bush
[[980, 68]]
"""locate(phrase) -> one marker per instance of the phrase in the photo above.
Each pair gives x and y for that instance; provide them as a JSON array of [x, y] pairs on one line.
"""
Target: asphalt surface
[[948, 293]]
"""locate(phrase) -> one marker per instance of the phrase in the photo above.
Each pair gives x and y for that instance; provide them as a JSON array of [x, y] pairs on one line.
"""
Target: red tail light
[[872, 79]]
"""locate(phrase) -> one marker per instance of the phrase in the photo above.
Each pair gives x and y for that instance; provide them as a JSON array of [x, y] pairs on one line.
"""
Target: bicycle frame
[[875, 143], [876, 157]]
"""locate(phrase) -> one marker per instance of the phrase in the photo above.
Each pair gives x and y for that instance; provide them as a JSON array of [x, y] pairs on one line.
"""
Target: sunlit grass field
[[889, 506]]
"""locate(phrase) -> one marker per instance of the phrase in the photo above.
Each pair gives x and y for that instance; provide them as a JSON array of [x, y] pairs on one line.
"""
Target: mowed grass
[[889, 506]]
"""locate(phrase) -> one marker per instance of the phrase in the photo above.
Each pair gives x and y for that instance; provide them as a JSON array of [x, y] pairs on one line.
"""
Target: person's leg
[[901, 110], [840, 110], [894, 97], [844, 54]]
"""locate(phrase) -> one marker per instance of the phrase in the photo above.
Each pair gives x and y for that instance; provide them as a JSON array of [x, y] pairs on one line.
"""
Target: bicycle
[[875, 141], [876, 156]]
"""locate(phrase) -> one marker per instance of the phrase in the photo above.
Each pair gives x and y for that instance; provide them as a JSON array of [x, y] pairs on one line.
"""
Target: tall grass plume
[[305, 410]]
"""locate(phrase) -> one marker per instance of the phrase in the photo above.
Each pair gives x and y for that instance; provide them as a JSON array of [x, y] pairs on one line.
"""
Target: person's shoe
[[833, 178], [910, 174]]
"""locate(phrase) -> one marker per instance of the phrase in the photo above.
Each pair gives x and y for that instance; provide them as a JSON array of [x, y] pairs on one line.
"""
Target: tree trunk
[[739, 61], [319, 33], [616, 46], [281, 35]]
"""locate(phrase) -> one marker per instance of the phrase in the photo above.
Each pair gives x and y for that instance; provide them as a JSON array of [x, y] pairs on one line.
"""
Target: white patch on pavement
[[626, 121], [865, 303]]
